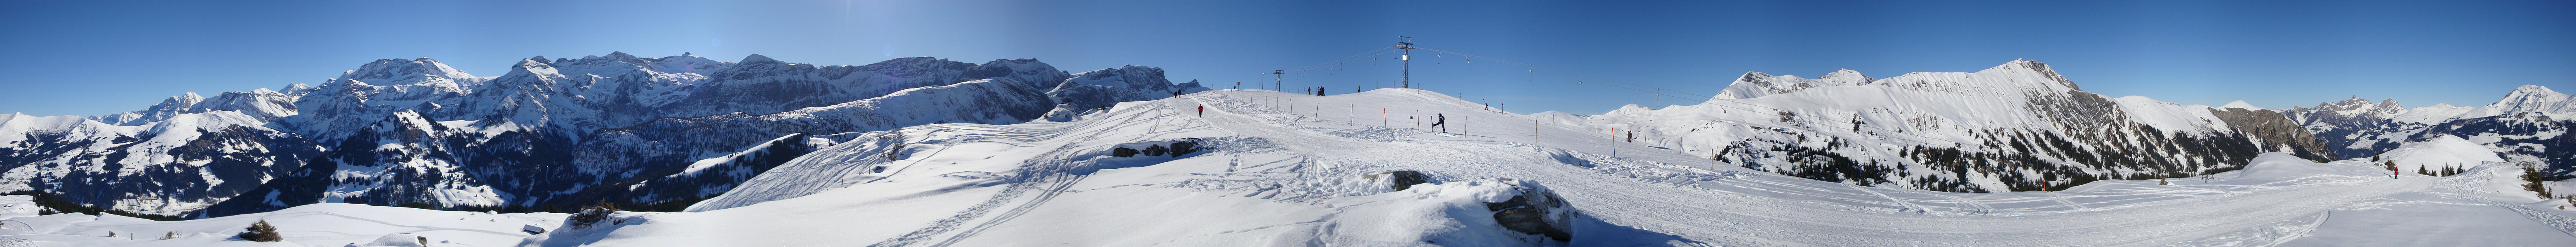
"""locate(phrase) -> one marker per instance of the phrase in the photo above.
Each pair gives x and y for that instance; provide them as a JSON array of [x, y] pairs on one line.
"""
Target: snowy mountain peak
[[620, 55], [295, 88], [2240, 104], [186, 99], [2535, 90], [1758, 84], [2041, 69], [1117, 77], [1845, 75], [2432, 114], [1753, 76], [406, 71], [756, 58], [2528, 98], [525, 65]]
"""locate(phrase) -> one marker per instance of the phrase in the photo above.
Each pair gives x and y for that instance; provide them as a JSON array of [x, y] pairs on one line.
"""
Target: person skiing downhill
[[1202, 111], [1442, 119]]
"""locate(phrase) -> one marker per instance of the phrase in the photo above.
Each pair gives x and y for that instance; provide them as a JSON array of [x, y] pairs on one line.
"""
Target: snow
[[703, 164], [2169, 116], [18, 206], [2528, 98], [1274, 173], [1279, 169], [2240, 104], [2446, 151], [2432, 114], [1271, 172], [327, 224], [1757, 84]]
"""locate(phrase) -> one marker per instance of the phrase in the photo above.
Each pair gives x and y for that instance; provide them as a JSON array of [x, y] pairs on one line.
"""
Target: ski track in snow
[[2468, 181], [1263, 152]]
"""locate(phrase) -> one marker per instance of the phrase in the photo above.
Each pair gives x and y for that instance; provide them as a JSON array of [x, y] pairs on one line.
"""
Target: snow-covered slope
[[2528, 98], [2445, 152], [549, 133], [1269, 169], [327, 224], [2019, 126]]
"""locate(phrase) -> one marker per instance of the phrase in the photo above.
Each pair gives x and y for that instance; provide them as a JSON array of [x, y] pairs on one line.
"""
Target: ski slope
[[1284, 169], [326, 224]]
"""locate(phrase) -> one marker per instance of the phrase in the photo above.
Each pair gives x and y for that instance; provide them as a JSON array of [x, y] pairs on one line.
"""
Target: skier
[[1202, 111], [1442, 119]]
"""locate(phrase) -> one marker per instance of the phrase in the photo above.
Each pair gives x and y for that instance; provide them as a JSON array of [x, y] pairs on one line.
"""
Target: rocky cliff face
[[2350, 126], [2274, 129]]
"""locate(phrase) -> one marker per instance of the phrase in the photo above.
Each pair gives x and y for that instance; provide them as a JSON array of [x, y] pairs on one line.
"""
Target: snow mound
[[2446, 151], [1478, 212], [396, 240]]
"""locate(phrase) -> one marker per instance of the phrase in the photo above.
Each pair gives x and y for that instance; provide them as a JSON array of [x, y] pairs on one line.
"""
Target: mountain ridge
[[416, 132]]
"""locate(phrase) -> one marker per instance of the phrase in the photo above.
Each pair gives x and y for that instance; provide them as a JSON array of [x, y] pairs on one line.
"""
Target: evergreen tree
[[2532, 178], [262, 232]]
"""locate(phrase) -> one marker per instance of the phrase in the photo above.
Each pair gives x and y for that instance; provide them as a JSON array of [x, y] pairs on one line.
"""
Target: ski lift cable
[[1570, 73], [1334, 64], [1349, 58], [1560, 71], [1344, 59]]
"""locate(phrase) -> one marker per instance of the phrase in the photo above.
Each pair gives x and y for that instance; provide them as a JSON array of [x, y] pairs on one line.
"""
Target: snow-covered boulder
[[1475, 212], [395, 240]]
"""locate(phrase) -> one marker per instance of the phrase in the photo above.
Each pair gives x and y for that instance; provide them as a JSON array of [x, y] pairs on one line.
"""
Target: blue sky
[[85, 58]]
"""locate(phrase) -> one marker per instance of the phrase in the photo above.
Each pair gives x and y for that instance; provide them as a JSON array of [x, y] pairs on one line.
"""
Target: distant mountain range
[[663, 133], [2521, 126], [2021, 126], [643, 132]]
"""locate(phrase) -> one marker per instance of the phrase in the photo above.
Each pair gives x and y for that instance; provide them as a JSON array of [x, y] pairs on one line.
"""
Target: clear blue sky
[[87, 58]]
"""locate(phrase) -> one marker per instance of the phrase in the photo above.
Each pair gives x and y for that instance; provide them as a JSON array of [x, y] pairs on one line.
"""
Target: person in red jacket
[[1202, 111]]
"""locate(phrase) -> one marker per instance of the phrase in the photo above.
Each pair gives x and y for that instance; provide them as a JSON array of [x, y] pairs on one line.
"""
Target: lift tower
[[1406, 43], [1278, 78]]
